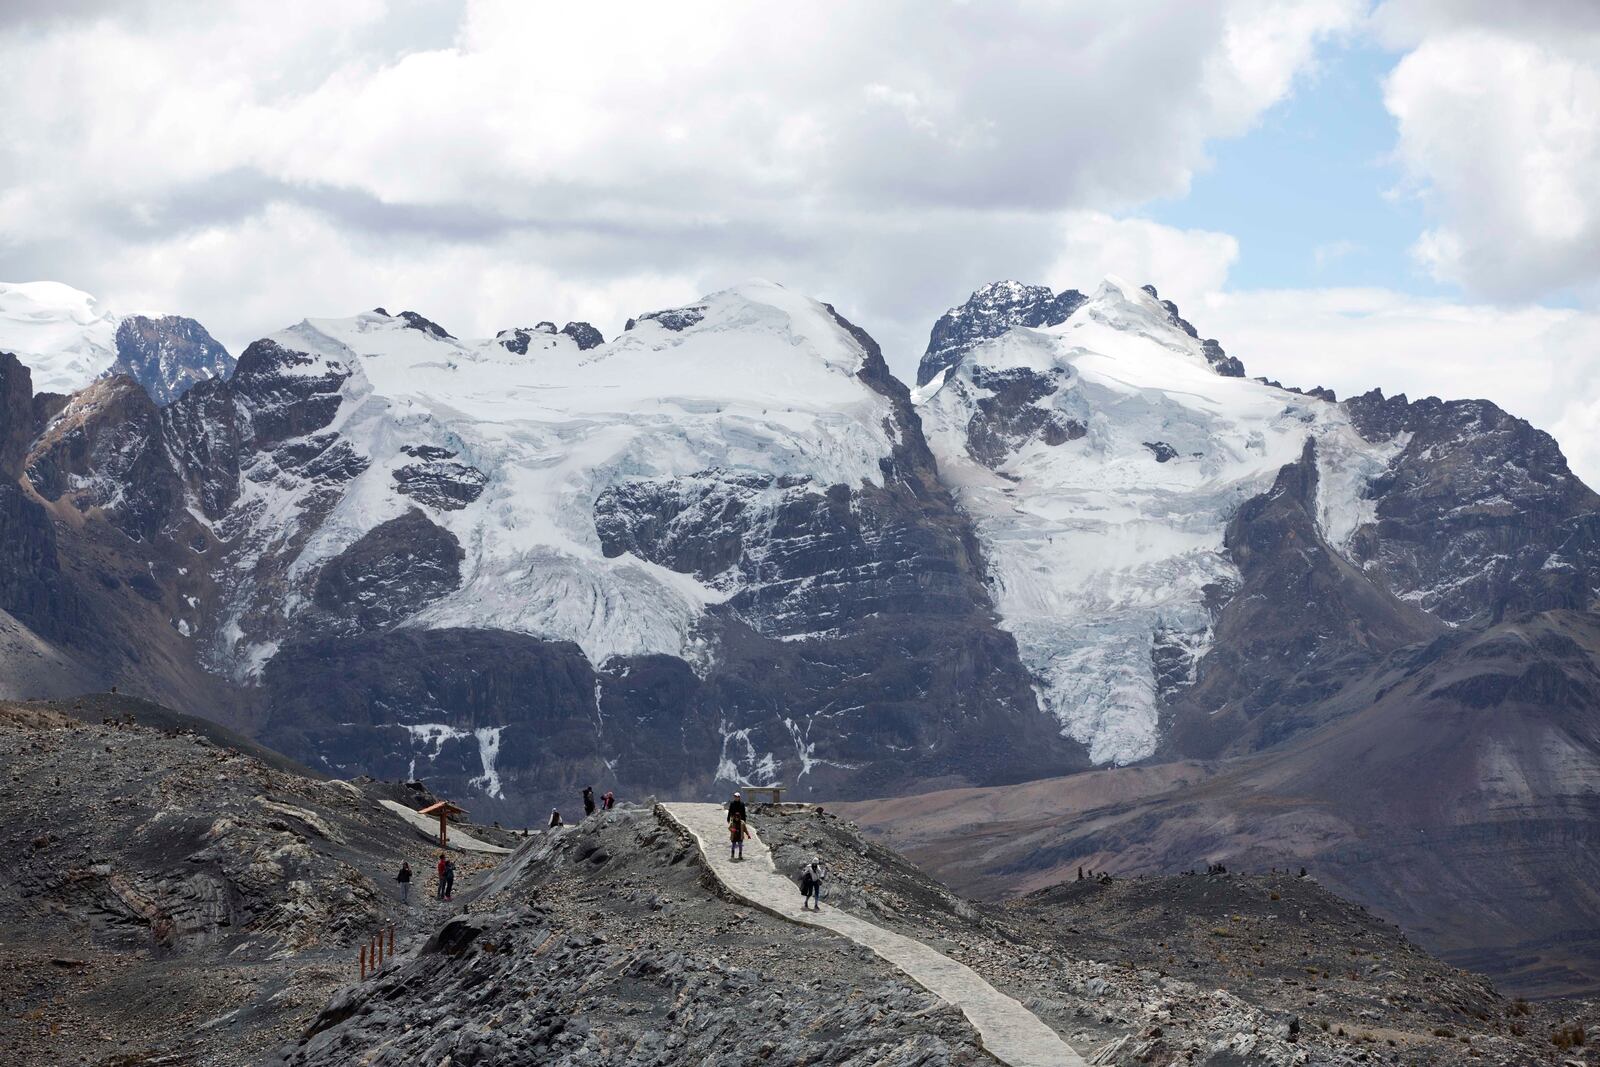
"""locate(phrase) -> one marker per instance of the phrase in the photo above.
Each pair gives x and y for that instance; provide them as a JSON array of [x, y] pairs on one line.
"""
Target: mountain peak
[[990, 311]]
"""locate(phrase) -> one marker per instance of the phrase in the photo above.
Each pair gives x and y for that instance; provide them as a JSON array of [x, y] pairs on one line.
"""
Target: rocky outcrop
[[1224, 364], [16, 415], [391, 572], [989, 312], [1008, 415], [1299, 626], [106, 452], [1478, 517], [169, 355]]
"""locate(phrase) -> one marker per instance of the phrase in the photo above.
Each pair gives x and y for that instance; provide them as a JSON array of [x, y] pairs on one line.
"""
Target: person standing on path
[[404, 878], [449, 879], [439, 889], [736, 808], [736, 835], [588, 800], [811, 886]]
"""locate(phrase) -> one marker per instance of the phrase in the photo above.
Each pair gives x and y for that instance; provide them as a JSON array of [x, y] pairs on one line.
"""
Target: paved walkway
[[1010, 1033]]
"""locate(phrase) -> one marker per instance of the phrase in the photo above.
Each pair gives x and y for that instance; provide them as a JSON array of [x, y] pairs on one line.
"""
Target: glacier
[[1106, 537]]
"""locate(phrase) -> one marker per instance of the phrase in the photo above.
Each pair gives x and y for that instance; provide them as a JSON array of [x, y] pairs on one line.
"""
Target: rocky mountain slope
[[714, 548], [68, 340], [170, 892], [728, 547]]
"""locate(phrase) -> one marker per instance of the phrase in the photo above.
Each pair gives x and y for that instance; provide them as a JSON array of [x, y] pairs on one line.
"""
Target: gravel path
[[1010, 1032]]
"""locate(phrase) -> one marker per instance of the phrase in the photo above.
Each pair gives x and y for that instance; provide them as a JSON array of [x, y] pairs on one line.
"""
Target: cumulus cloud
[[1498, 109], [885, 156], [1540, 363]]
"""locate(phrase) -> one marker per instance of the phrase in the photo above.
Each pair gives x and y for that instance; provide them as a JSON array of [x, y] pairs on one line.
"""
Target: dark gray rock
[[988, 313], [1478, 516], [414, 321], [169, 355], [392, 571], [440, 483], [1009, 416], [584, 335]]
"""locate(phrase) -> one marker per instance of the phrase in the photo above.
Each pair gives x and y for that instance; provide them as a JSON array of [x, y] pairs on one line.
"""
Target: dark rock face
[[16, 415], [1302, 623], [389, 573], [441, 483], [169, 355], [414, 321], [286, 393], [1008, 417], [505, 718], [106, 452], [1161, 450], [988, 313], [1478, 517], [584, 335], [674, 319]]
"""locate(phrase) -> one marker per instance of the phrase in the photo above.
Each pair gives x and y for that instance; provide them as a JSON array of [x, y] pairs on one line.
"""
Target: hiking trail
[[1010, 1033]]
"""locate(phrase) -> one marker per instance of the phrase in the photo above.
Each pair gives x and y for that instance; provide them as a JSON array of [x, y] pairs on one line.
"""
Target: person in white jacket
[[811, 880]]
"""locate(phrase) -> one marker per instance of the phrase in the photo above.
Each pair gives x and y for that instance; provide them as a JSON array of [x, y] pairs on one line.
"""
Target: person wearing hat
[[736, 808]]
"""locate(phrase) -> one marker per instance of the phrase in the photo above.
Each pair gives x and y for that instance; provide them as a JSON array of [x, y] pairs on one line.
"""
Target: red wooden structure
[[445, 811]]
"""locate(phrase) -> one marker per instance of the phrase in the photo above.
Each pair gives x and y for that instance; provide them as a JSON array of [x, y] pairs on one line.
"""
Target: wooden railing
[[373, 954]]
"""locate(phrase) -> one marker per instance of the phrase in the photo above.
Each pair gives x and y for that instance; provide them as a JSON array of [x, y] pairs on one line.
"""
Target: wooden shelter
[[445, 811]]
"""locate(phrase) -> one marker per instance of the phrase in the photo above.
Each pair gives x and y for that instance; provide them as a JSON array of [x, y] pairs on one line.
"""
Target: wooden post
[[363, 963], [443, 835], [391, 942]]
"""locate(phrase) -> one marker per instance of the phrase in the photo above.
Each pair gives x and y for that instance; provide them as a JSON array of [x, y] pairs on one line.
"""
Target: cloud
[[889, 157], [1333, 251], [1540, 363], [1498, 109]]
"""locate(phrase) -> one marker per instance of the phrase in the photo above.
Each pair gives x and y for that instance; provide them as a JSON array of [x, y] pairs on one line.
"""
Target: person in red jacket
[[442, 864]]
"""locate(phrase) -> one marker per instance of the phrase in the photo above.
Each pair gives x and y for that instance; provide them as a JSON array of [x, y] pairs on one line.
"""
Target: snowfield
[[63, 335], [756, 380], [1096, 549]]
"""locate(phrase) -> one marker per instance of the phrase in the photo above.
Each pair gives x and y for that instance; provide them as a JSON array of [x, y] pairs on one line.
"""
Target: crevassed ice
[[1093, 546]]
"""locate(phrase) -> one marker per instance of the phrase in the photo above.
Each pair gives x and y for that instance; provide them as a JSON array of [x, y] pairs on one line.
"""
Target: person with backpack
[[449, 879], [811, 886], [404, 878], [737, 832], [588, 800], [443, 863]]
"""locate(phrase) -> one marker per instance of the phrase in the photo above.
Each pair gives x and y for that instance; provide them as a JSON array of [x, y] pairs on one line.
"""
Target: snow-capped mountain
[[1180, 549], [719, 548], [68, 340], [712, 549], [1102, 457]]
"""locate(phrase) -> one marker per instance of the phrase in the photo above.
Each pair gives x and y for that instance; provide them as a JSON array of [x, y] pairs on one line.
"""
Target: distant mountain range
[[729, 547]]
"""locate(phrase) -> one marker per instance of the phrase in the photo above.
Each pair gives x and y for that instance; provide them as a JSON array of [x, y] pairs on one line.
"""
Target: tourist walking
[[588, 800], [736, 835], [404, 878], [736, 808], [449, 879], [811, 886], [443, 863]]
